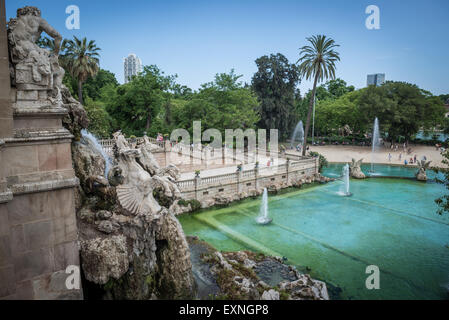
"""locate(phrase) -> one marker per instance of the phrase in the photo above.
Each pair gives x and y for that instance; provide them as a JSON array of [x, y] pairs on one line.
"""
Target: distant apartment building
[[377, 79], [133, 66]]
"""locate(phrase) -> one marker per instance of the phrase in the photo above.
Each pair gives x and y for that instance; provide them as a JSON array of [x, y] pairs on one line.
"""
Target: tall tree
[[221, 104], [402, 108], [136, 104], [275, 85], [93, 85], [317, 61], [81, 59]]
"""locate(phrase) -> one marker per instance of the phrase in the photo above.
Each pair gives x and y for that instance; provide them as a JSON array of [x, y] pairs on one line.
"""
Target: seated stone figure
[[34, 70]]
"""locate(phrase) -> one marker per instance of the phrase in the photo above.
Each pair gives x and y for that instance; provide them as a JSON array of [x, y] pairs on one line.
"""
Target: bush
[[323, 160]]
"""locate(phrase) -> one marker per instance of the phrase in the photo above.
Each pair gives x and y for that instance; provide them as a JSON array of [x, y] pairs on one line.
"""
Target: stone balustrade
[[248, 181]]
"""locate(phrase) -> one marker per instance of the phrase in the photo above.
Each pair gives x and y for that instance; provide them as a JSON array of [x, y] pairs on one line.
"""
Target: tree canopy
[[221, 104], [402, 109], [275, 85], [136, 104]]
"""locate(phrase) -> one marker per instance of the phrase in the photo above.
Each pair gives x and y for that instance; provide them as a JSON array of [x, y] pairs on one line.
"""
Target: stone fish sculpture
[[355, 170], [423, 165]]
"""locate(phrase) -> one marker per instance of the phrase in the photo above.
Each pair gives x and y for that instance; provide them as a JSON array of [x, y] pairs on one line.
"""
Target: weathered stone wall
[[6, 122], [38, 240]]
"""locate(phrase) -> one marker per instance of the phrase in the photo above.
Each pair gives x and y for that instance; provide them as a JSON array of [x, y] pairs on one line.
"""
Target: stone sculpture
[[35, 71], [136, 192], [355, 170], [423, 165], [142, 179], [148, 161], [140, 207]]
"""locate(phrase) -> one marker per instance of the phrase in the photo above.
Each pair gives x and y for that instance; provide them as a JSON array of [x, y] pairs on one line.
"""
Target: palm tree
[[81, 59], [50, 45], [318, 61]]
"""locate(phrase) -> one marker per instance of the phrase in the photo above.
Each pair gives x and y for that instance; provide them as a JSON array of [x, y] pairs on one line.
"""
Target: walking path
[[345, 154]]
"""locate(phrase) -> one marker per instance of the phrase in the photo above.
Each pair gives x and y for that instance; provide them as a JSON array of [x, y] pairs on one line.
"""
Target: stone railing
[[108, 144], [227, 184]]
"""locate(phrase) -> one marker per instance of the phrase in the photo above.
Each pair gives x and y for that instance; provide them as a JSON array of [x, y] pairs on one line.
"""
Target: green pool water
[[388, 222]]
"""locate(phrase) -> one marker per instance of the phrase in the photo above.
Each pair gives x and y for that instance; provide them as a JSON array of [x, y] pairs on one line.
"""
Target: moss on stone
[[194, 204]]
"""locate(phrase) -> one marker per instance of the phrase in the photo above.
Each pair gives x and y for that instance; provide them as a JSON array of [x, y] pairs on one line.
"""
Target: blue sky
[[197, 39]]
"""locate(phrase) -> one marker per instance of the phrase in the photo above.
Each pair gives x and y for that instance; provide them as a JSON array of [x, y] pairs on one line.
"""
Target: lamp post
[[313, 123]]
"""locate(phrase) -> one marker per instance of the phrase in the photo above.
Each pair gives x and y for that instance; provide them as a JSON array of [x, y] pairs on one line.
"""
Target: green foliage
[[71, 84], [443, 201], [333, 89], [81, 59], [322, 160], [275, 86], [221, 104], [94, 85], [136, 105], [332, 114], [194, 204], [402, 108], [444, 98], [100, 122]]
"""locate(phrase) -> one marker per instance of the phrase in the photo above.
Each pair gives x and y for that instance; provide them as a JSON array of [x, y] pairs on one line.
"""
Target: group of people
[[395, 147], [412, 160]]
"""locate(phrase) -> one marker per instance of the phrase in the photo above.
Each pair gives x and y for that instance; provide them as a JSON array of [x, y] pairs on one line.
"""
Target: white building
[[132, 66], [377, 79]]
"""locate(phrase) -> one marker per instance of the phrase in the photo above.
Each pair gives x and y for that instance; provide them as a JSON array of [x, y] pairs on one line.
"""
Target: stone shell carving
[[131, 199]]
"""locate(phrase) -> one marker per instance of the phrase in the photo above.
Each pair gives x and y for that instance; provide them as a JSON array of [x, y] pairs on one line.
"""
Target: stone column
[[256, 174], [6, 118], [287, 167], [197, 186], [223, 155], [167, 150], [239, 181]]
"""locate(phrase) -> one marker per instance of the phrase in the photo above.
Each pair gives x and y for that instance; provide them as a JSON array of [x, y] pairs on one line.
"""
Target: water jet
[[263, 218]]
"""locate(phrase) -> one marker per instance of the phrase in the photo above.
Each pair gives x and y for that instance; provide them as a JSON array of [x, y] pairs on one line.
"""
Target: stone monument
[[423, 165], [355, 170], [38, 231]]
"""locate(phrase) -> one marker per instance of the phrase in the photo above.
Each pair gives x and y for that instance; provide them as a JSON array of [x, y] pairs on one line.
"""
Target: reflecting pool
[[391, 223]]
